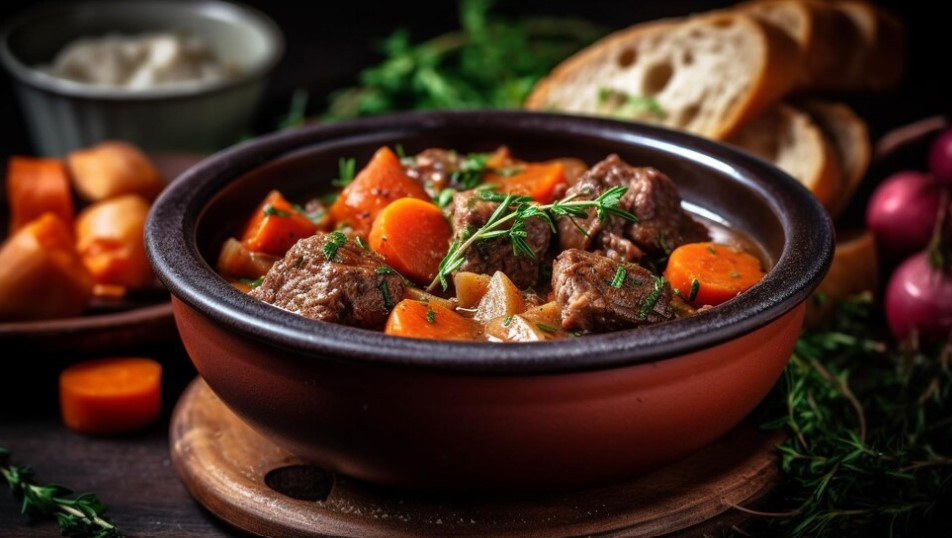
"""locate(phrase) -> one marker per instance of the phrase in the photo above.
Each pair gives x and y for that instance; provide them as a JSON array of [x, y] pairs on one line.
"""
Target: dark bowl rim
[[77, 90], [174, 254]]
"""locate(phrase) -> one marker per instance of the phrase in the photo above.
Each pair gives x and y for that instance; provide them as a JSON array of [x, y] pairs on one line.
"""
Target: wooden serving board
[[251, 484]]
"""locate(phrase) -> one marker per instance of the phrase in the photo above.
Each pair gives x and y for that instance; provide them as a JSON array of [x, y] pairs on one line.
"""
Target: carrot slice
[[275, 226], [380, 182], [41, 274], [111, 396], [538, 180], [416, 319], [112, 168], [37, 185], [710, 273], [412, 236]]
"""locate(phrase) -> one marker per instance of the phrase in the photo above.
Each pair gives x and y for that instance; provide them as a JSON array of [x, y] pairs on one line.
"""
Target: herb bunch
[[77, 517], [869, 450], [489, 62], [518, 209]]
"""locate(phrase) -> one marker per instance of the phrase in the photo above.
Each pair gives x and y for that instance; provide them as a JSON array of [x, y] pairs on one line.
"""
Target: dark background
[[328, 43]]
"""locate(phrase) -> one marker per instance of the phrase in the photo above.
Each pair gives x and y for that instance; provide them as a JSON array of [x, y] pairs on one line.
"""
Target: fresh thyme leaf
[[619, 278], [77, 517], [271, 211], [545, 327], [695, 287], [361, 243], [384, 270], [335, 241]]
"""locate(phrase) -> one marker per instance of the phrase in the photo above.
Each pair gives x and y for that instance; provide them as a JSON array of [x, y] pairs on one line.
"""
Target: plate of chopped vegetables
[[73, 271]]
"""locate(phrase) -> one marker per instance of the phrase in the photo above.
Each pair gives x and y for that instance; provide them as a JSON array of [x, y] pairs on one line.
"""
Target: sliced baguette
[[881, 62], [789, 138], [827, 37], [851, 141], [706, 74]]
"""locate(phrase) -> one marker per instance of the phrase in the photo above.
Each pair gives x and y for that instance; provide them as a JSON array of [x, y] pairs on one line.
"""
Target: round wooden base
[[259, 488]]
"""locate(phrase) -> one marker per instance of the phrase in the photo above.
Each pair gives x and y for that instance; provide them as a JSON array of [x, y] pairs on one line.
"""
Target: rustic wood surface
[[147, 496], [247, 481]]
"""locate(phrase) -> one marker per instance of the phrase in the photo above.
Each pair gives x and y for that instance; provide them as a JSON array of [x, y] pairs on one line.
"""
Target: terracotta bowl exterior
[[478, 417]]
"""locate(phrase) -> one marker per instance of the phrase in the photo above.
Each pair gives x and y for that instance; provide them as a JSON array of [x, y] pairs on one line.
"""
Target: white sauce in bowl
[[140, 62]]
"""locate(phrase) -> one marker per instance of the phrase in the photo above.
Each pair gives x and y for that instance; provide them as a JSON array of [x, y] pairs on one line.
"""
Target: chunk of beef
[[469, 212], [593, 297], [329, 277], [652, 197], [433, 168]]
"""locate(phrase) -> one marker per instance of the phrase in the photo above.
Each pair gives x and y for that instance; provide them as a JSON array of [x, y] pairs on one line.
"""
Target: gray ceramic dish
[[441, 415], [63, 115]]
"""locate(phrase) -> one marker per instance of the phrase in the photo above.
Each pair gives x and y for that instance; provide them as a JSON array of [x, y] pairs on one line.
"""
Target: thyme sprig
[[518, 209], [81, 516], [869, 451]]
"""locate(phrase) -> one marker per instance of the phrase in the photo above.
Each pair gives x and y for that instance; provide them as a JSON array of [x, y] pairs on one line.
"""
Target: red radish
[[940, 157], [901, 214], [919, 292]]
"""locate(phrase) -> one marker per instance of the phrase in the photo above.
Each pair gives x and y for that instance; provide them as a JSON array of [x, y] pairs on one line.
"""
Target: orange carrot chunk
[[710, 273], [111, 168], [37, 185], [275, 226], [110, 240], [380, 182], [111, 396], [537, 180], [41, 274], [412, 236], [416, 319]]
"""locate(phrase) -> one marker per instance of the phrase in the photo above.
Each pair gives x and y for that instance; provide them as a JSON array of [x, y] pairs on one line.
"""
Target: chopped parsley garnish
[[695, 287], [445, 197], [507, 320], [271, 211], [620, 275], [471, 170], [430, 315], [384, 270], [385, 291], [335, 241], [252, 282], [652, 298]]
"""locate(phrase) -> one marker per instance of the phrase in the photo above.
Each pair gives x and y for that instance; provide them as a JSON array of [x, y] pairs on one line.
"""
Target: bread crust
[[849, 134], [790, 138], [606, 64], [826, 36]]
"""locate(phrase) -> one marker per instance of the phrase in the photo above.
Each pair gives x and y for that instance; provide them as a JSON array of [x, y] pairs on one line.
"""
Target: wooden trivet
[[251, 484]]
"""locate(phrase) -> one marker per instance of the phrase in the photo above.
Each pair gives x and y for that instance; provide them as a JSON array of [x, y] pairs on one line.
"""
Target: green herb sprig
[[489, 62], [869, 451], [517, 210], [77, 517]]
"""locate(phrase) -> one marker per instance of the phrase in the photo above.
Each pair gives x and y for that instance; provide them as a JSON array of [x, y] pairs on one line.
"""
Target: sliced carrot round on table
[[111, 396]]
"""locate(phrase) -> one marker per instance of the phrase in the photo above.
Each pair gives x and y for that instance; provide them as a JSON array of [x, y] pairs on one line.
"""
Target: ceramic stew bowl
[[442, 416]]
